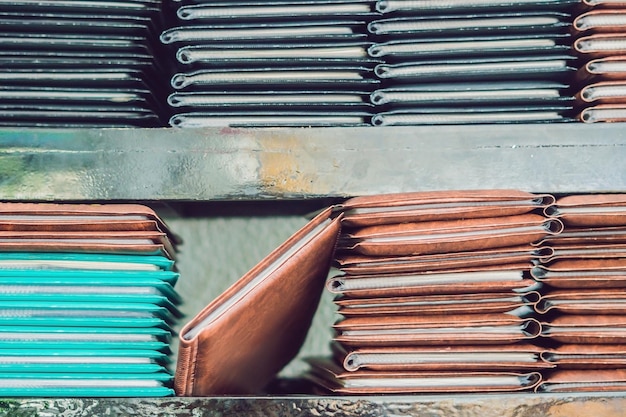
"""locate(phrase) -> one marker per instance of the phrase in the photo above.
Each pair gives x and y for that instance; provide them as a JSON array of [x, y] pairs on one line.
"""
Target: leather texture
[[584, 381], [438, 206], [335, 379], [586, 329], [424, 238], [427, 330], [366, 265], [600, 210], [246, 345]]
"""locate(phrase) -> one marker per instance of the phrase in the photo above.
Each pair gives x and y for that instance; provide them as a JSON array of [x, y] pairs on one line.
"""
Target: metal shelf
[[228, 164], [509, 405]]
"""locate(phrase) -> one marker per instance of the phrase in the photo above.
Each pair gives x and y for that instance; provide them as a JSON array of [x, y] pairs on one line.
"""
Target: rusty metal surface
[[294, 164], [513, 405]]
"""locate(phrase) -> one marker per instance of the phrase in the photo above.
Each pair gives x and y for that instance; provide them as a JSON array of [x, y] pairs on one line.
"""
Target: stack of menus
[[270, 63], [601, 43], [464, 61], [87, 301], [435, 293], [584, 303], [79, 63]]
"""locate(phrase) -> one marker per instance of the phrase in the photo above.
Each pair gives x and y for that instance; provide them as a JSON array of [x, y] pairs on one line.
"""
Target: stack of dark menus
[[435, 293], [87, 301], [270, 63], [584, 302], [79, 63], [460, 62], [601, 42]]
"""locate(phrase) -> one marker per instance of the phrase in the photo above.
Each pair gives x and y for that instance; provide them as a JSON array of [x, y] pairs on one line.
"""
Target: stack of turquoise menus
[[87, 300]]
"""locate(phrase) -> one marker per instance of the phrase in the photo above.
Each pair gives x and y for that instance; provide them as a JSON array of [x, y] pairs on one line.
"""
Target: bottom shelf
[[497, 405]]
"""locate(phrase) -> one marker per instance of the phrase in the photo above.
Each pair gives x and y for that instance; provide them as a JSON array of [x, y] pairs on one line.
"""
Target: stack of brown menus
[[584, 301], [87, 300], [435, 293], [601, 42]]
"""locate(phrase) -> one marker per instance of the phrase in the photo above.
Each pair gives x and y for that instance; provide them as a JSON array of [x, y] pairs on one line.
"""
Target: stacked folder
[[87, 300], [270, 63], [601, 42], [435, 293], [79, 63], [460, 62], [584, 297]]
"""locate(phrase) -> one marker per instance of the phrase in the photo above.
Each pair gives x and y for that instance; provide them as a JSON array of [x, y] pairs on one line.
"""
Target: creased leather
[[97, 212], [440, 205], [449, 304], [378, 287], [602, 210], [366, 265], [246, 345], [448, 236], [331, 376], [586, 329], [587, 356], [584, 301], [354, 359], [584, 381], [427, 330], [577, 273], [122, 242]]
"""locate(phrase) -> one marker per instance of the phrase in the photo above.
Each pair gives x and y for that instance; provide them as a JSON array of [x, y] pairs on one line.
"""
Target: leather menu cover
[[601, 20], [604, 92], [439, 205], [422, 238], [592, 210], [601, 45], [66, 217], [584, 381], [335, 379], [586, 329], [584, 301], [468, 329], [586, 356], [605, 68], [603, 113], [449, 304], [489, 279], [513, 357], [583, 273], [242, 339], [586, 236], [510, 255]]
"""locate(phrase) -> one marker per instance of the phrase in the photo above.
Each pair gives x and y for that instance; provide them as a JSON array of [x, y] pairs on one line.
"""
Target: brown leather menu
[[121, 242], [60, 217], [584, 381], [586, 329], [488, 279], [601, 44], [242, 339], [366, 265], [595, 210], [583, 273], [586, 236], [335, 379], [601, 21], [422, 238], [584, 301], [512, 357], [449, 304], [468, 329], [612, 113], [439, 205], [603, 69], [586, 356]]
